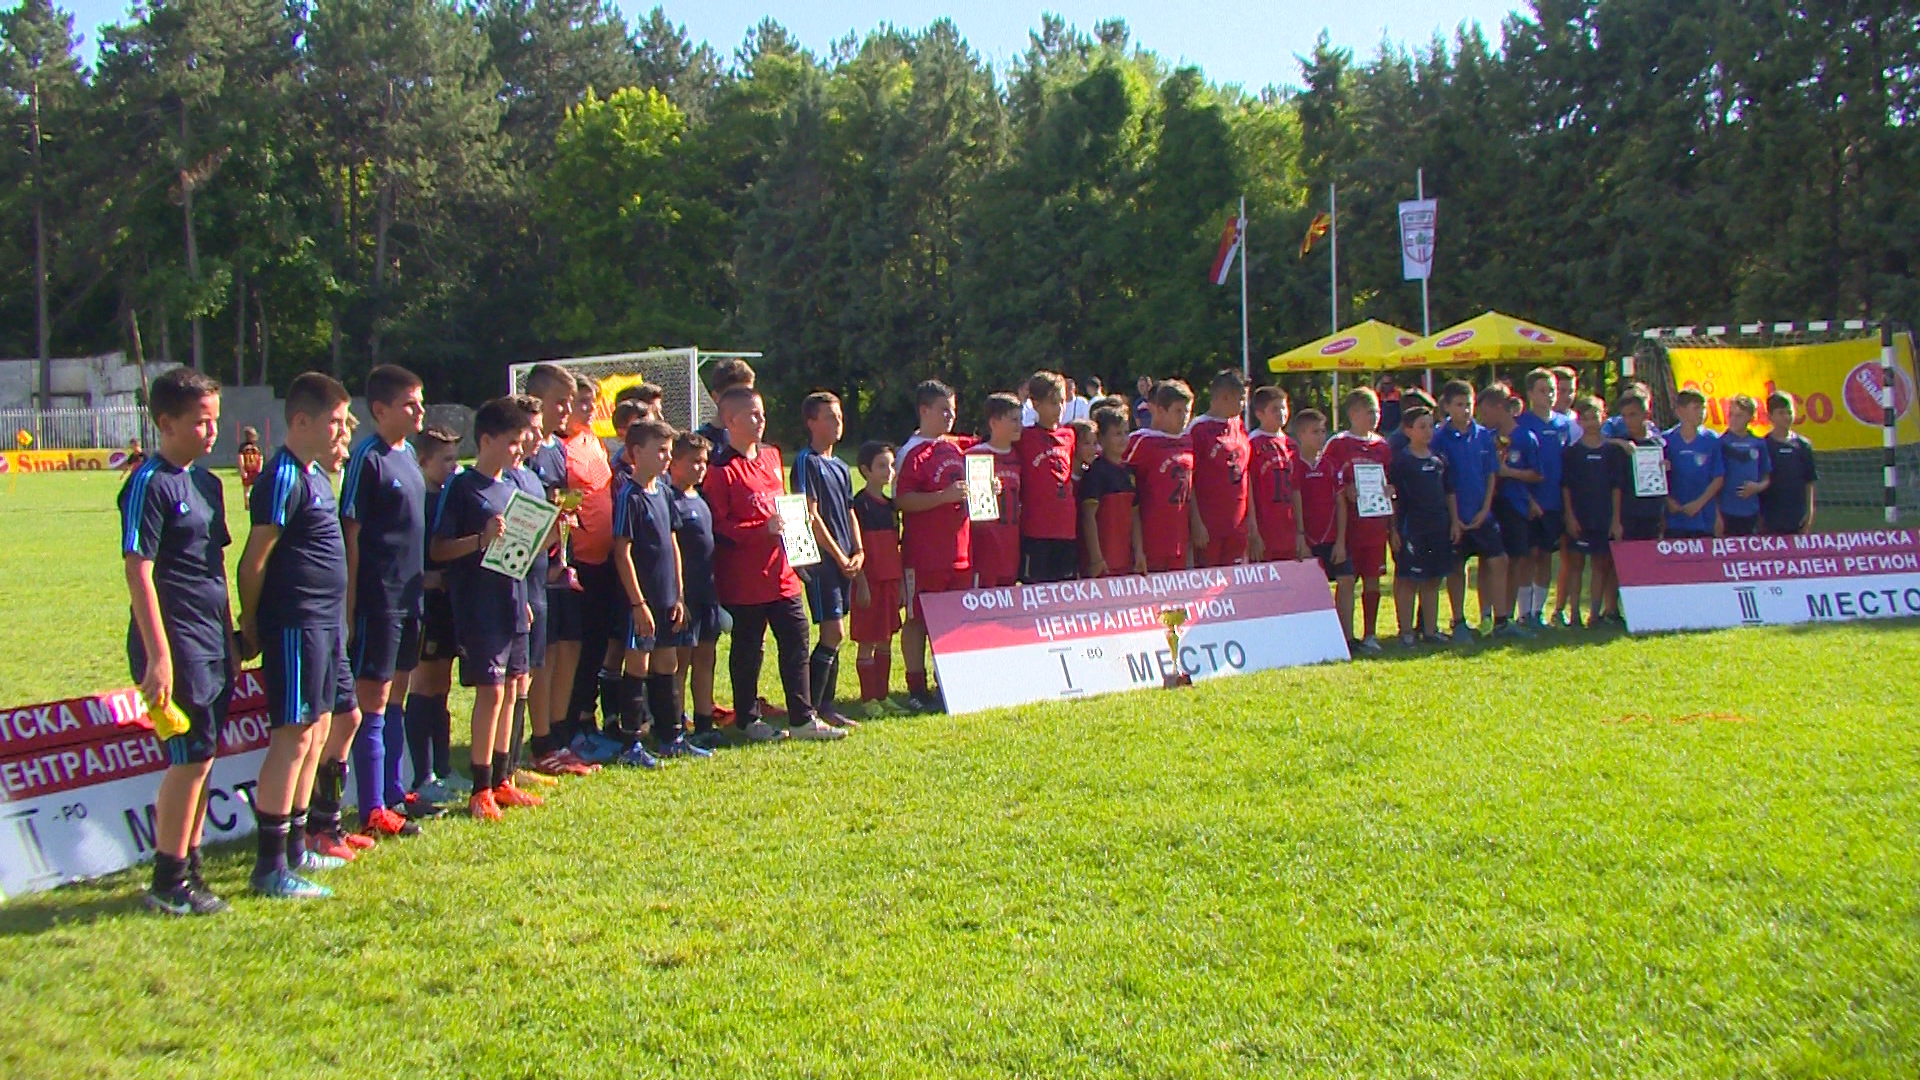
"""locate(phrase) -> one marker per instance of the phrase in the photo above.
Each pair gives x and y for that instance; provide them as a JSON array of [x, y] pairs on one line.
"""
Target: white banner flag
[[1417, 222]]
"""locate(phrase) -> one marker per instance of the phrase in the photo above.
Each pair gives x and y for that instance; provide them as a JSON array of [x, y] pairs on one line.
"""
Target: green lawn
[[1514, 862]]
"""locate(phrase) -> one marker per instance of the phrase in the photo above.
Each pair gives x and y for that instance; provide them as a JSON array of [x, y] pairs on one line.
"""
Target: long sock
[[612, 697], [1370, 611], [329, 787], [541, 745], [819, 663], [419, 732], [829, 693], [632, 709], [297, 836], [370, 763], [195, 876], [666, 713], [482, 775], [272, 843], [868, 667], [519, 736], [169, 873], [916, 683], [442, 737], [884, 681], [394, 724], [502, 766]]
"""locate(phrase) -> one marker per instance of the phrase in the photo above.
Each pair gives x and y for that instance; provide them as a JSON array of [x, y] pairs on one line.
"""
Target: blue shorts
[[492, 659], [663, 635], [1642, 528], [1484, 541], [537, 635], [1516, 534], [829, 594], [563, 615], [437, 642], [382, 645], [704, 624], [1423, 558], [305, 669], [1547, 529]]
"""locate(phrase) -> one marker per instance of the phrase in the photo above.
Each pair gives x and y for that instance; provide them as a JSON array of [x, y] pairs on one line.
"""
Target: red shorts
[[919, 582], [1369, 556], [1223, 550], [1166, 563], [876, 623]]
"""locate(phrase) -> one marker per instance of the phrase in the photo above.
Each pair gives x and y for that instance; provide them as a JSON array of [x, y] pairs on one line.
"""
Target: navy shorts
[[1641, 528], [437, 642], [829, 593], [1324, 553], [1546, 530], [1516, 533], [1424, 558], [537, 635], [492, 659], [1484, 541], [382, 645], [1592, 542], [1744, 525], [202, 740], [1043, 559], [305, 669], [663, 635], [563, 615], [704, 624]]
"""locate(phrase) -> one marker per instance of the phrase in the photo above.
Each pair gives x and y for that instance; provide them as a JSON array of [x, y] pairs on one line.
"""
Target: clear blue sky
[[1245, 41]]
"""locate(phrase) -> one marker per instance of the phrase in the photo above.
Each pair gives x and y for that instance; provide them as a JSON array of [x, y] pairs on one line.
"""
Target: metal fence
[[107, 428]]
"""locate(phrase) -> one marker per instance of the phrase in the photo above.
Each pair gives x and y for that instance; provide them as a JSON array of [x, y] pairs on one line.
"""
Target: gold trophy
[[1173, 619], [568, 500]]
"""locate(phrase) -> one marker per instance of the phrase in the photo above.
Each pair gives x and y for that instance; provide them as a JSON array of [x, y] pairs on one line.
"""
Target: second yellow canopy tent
[[1494, 338]]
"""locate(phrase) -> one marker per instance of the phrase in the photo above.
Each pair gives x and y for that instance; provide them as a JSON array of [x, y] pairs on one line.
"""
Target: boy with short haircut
[[1108, 524], [383, 516], [1273, 483], [626, 413], [936, 539], [1637, 517], [1748, 468], [180, 648], [828, 485], [648, 396], [1515, 507], [699, 635], [491, 614], [1591, 472], [531, 691], [1695, 470], [1161, 457], [1565, 393], [647, 560], [753, 576], [1086, 448], [876, 588], [723, 376], [1359, 543], [1474, 460], [250, 459], [1220, 459], [553, 646], [1410, 397], [590, 472], [428, 722], [997, 544], [293, 584], [1319, 492], [1426, 524], [1554, 432], [1048, 515], [1787, 505]]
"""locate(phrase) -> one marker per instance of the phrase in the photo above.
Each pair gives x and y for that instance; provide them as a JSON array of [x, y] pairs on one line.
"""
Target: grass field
[[1692, 856]]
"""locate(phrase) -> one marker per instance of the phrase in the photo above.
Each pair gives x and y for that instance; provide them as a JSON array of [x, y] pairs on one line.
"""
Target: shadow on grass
[[117, 895], [1551, 640]]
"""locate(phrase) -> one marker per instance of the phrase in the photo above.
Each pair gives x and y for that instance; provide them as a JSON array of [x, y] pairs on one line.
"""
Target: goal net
[[684, 402], [1833, 372]]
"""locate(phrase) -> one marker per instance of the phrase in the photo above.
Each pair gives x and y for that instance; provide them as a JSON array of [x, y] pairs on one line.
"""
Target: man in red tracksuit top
[[1220, 458], [751, 574]]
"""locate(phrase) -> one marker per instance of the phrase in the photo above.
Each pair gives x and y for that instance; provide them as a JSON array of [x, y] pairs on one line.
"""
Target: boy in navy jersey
[[1591, 472], [293, 585], [490, 610], [1637, 517], [828, 486], [647, 562], [876, 588], [545, 764], [551, 592], [1695, 470], [428, 723], [383, 517], [1786, 506], [1109, 529], [699, 637], [1748, 468], [173, 537], [1426, 524]]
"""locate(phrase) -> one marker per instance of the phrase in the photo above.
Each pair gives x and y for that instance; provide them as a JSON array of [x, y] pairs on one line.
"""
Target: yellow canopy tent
[[1365, 347], [1494, 338]]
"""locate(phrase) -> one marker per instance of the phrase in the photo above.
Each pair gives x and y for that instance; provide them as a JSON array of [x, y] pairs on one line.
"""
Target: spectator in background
[[1142, 410], [1075, 407], [1390, 407]]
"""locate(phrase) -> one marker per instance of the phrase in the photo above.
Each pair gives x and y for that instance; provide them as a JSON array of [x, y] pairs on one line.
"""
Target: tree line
[[260, 187]]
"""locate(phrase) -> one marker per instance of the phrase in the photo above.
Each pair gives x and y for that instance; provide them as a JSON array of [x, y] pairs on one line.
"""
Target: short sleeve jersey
[[827, 481], [1221, 456], [1163, 490], [1421, 486], [306, 577], [589, 473], [382, 489], [1784, 503], [937, 539], [1589, 475], [1109, 486], [483, 602], [176, 519], [1473, 460], [1641, 507], [1319, 496], [1343, 452], [693, 531], [995, 545], [1694, 466], [1554, 434], [1046, 483], [880, 534], [1519, 449], [1273, 480], [1744, 460], [643, 514]]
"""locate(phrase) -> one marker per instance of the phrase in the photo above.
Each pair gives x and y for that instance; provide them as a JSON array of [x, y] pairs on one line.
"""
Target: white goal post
[[684, 402]]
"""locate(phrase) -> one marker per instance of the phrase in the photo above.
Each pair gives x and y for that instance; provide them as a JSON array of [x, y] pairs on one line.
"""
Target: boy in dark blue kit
[[383, 517], [1748, 467], [1426, 525], [1474, 460], [647, 562], [293, 587], [1786, 507], [828, 485], [428, 725], [1637, 517], [173, 537], [1514, 506], [693, 535], [1591, 472], [490, 610]]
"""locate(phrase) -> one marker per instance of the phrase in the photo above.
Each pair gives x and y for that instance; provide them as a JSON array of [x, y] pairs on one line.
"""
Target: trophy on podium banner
[[1173, 619]]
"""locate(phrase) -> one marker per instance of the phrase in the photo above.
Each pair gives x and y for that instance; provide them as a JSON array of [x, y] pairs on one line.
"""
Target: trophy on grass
[[1173, 619], [568, 500]]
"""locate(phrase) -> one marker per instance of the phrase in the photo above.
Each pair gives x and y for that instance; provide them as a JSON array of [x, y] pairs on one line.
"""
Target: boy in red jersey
[[1220, 458], [936, 543], [1161, 457], [997, 544], [1359, 540], [876, 588], [1110, 528], [1047, 513], [1319, 493], [1273, 483]]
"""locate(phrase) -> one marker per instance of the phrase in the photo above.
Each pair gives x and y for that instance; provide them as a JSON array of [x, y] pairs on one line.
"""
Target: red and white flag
[[1230, 239]]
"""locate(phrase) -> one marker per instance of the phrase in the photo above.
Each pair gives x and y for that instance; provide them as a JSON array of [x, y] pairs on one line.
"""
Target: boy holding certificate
[[1640, 510], [996, 542], [1358, 458]]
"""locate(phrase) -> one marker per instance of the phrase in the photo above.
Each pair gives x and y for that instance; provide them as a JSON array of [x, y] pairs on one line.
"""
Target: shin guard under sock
[[868, 668], [442, 737], [370, 763], [297, 837], [819, 665], [666, 711], [271, 839], [519, 735], [392, 789], [329, 788]]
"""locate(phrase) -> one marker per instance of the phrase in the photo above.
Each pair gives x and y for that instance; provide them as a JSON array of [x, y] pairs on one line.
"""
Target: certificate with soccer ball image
[[983, 503], [1649, 471], [796, 531], [528, 522], [1370, 490]]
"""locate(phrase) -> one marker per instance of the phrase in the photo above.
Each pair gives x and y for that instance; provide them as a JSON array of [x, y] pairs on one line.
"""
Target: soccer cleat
[[314, 861], [508, 795], [460, 786], [564, 763], [183, 899], [835, 718], [1434, 639], [722, 715], [357, 841], [287, 885], [420, 809], [922, 704], [331, 845], [435, 792], [1409, 640], [1462, 633], [637, 757], [1370, 645], [525, 778], [384, 822], [593, 749], [759, 731], [765, 708], [816, 730], [483, 806], [1511, 629], [683, 747], [706, 740]]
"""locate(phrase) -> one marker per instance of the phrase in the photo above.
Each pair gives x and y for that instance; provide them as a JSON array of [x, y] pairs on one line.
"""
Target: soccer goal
[[1837, 373], [684, 401]]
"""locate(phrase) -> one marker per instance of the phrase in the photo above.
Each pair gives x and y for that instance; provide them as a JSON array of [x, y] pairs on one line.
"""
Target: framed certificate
[[983, 503], [1370, 490], [796, 531], [528, 521], [1649, 471]]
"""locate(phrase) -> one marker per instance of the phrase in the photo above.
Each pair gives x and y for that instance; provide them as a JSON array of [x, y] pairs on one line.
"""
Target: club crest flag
[[1417, 222], [1229, 247]]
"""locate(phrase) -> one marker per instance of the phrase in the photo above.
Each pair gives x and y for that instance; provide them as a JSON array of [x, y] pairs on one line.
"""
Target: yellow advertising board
[[1835, 387], [19, 461], [610, 387]]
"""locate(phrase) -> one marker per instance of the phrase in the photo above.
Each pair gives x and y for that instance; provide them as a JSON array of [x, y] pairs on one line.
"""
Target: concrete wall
[[84, 382]]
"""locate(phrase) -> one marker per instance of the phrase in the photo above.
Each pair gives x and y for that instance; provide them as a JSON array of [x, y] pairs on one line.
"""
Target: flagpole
[[1426, 309], [1246, 355], [1333, 274]]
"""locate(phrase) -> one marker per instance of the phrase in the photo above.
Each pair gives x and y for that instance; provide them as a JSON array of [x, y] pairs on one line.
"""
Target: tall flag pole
[[1419, 221], [1246, 352], [1333, 275], [1233, 243]]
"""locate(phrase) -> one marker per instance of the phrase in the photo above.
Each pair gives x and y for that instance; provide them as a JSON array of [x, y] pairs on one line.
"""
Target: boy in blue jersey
[[1786, 506], [1514, 507], [1426, 525], [647, 561], [383, 517], [490, 611], [1696, 474], [428, 722], [1591, 472], [1474, 461], [555, 594], [1637, 517], [828, 485], [180, 648], [1748, 468], [293, 586], [532, 447], [699, 636], [1554, 431]]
